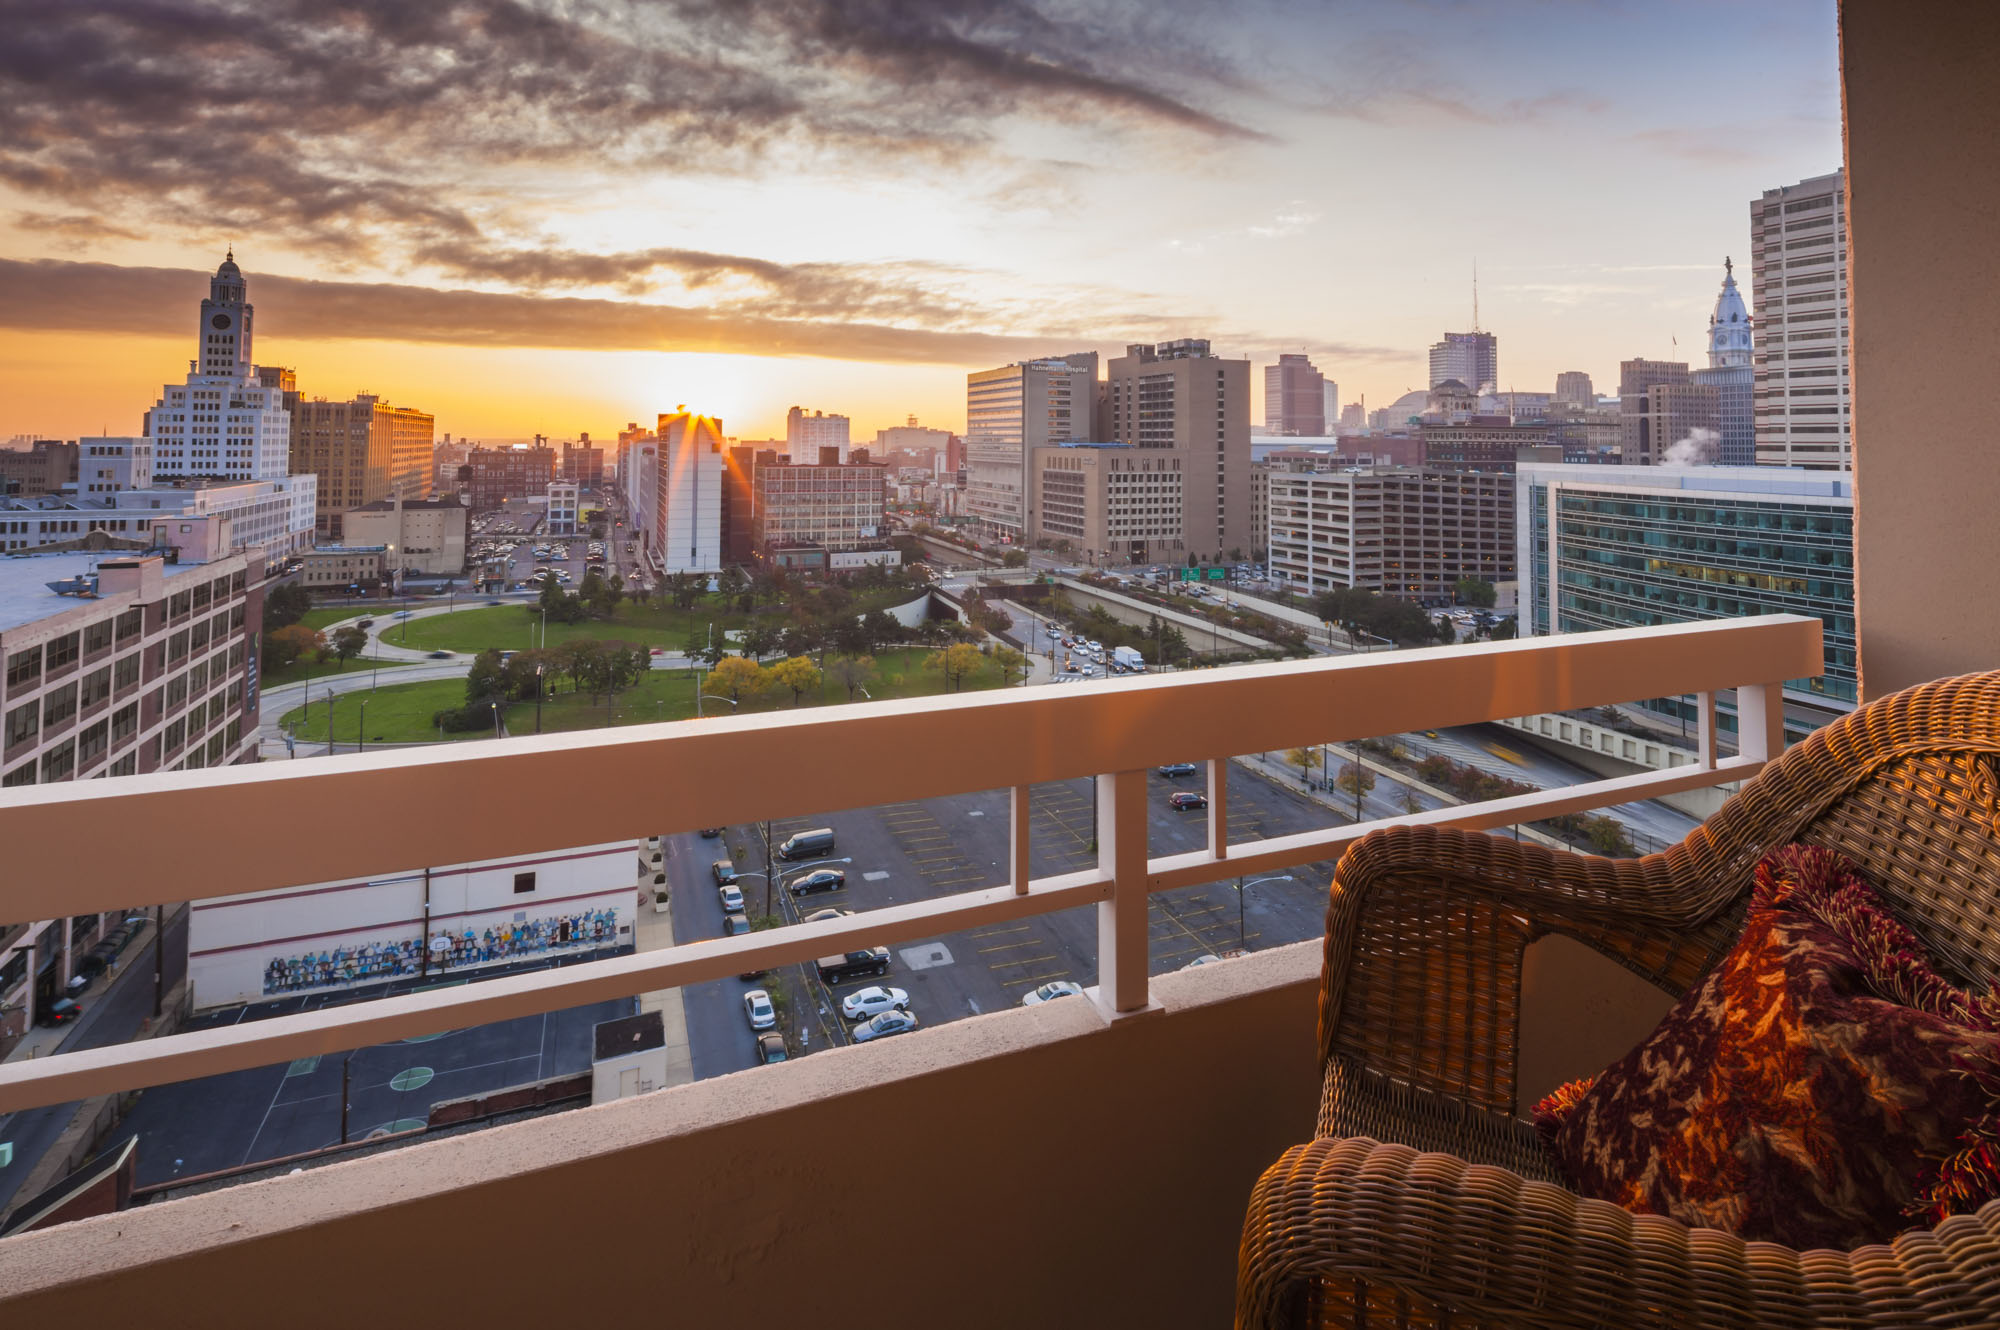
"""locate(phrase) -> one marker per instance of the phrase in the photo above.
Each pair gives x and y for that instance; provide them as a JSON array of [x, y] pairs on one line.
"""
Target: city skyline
[[965, 189]]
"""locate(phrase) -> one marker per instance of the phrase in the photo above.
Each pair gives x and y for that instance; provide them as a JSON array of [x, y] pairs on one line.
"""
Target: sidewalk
[[653, 930]]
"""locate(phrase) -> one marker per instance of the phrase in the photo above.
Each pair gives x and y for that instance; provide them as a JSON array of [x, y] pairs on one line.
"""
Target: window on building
[[91, 743], [24, 723], [124, 722], [177, 648], [96, 687], [523, 883], [97, 637], [58, 706], [125, 766], [59, 763], [21, 775], [63, 651], [174, 736], [125, 672]]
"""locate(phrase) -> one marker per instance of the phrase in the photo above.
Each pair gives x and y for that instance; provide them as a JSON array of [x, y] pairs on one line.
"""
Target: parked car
[[821, 916], [820, 879], [60, 1012], [724, 870], [440, 655], [710, 833], [732, 898], [1208, 958], [757, 1006], [873, 1001], [771, 1048], [807, 844], [1187, 800], [1179, 769], [888, 1023], [735, 925], [853, 965], [1049, 992]]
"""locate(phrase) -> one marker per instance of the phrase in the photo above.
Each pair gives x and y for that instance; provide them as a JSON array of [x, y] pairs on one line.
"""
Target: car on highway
[[732, 898], [757, 1006], [1049, 992], [881, 1027], [1179, 769], [853, 965], [440, 655], [771, 1048], [735, 925], [873, 1001], [820, 879], [822, 916], [724, 871], [1187, 800]]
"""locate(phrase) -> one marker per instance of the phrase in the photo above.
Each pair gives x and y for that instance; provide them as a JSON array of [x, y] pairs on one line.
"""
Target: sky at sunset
[[555, 217]]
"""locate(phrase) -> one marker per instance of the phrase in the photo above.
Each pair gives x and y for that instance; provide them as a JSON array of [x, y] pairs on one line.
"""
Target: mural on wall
[[372, 961]]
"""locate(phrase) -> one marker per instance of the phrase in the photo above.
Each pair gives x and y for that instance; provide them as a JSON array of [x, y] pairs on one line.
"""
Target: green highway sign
[[1218, 574]]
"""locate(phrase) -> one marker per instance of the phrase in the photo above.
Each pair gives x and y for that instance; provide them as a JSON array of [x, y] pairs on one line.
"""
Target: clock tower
[[224, 335]]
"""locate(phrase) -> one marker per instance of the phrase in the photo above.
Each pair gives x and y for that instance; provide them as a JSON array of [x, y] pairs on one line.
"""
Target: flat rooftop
[[24, 578]]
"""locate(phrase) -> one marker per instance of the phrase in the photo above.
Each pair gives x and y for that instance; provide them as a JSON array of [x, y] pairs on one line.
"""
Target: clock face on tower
[[219, 322]]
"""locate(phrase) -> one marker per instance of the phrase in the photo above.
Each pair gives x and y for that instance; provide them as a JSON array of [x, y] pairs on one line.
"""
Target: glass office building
[[1636, 546]]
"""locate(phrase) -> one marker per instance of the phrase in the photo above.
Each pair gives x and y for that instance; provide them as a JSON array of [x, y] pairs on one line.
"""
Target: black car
[[1179, 769], [710, 833], [820, 879], [724, 870], [770, 1047], [62, 1011], [853, 965]]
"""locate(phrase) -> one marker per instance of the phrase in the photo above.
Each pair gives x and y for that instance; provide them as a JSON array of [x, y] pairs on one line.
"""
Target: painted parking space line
[[996, 932], [1009, 946], [1036, 981]]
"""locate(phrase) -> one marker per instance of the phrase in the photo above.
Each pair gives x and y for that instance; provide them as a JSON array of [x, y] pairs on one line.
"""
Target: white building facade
[[806, 434], [423, 924], [222, 421], [1798, 249], [689, 500]]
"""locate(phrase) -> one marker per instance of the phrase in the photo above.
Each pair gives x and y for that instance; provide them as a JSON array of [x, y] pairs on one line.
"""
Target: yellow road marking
[[996, 932], [1009, 946]]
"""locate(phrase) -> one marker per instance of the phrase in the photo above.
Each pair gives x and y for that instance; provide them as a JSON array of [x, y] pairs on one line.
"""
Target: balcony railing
[[198, 835]]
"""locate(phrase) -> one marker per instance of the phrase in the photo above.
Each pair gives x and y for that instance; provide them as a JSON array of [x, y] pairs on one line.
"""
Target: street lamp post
[[330, 696], [361, 729], [1241, 944], [538, 699], [711, 697], [496, 718]]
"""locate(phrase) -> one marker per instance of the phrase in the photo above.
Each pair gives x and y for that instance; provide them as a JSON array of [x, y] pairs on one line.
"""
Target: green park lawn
[[321, 617], [313, 669], [396, 713], [401, 713], [518, 627]]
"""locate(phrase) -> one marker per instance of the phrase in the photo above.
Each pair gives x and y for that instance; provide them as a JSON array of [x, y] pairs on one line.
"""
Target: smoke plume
[[1701, 447]]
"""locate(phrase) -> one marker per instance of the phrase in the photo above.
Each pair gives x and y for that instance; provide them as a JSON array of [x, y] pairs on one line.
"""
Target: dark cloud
[[101, 297], [368, 129], [74, 227]]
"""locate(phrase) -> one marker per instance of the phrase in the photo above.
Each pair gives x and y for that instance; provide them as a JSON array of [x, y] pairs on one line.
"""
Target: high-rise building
[[1638, 439], [1330, 406], [806, 434], [1011, 410], [1635, 546], [361, 451], [921, 443], [1179, 395], [739, 500], [1294, 397], [1731, 374], [1473, 358], [1684, 423], [1573, 387], [1108, 503], [1410, 532], [117, 665], [583, 464], [689, 493], [1354, 419], [223, 421], [43, 467], [1798, 248], [836, 507]]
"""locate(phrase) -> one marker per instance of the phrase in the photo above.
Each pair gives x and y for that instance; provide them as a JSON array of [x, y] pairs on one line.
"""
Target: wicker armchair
[[1426, 1201]]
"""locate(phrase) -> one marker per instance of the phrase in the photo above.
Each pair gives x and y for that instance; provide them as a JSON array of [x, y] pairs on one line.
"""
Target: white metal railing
[[95, 845]]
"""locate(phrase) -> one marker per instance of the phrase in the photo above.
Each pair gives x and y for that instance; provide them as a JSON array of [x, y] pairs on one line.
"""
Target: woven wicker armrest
[[1426, 927], [1429, 1237]]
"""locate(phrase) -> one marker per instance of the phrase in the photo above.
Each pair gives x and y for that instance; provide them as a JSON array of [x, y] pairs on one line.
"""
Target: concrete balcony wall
[[1033, 1167]]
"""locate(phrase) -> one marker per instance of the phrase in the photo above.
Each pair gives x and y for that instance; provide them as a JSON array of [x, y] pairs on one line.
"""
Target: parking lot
[[930, 848]]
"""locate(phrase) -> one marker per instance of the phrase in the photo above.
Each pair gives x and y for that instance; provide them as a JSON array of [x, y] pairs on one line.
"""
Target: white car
[[1049, 992], [880, 1027], [821, 916], [873, 1001], [1207, 958], [732, 898], [757, 1006]]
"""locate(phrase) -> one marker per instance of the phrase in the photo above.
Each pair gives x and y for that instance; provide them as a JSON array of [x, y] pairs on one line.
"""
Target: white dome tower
[[1729, 326]]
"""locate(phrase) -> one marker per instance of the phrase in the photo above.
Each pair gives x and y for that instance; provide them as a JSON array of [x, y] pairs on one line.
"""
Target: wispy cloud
[[1709, 147]]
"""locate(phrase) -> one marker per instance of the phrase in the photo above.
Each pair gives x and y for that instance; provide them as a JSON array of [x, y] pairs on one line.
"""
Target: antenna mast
[[1475, 295]]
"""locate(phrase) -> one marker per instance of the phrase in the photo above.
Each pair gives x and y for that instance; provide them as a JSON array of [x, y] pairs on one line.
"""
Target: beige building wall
[[1923, 183], [1180, 396], [1112, 506], [429, 540]]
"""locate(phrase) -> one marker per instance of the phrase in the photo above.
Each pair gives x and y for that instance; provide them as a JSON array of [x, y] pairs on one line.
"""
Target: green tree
[[1476, 591], [1305, 759], [1447, 631], [348, 643], [798, 674], [737, 677], [284, 605], [1014, 558], [1013, 664], [759, 641], [1505, 630], [487, 679], [287, 644], [880, 629]]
